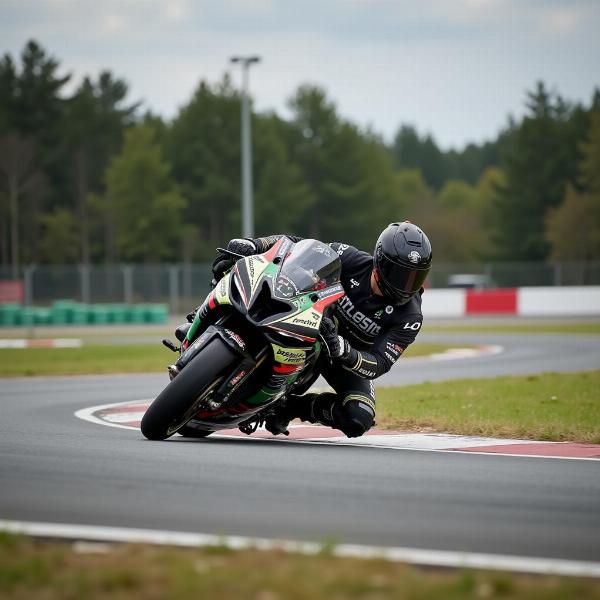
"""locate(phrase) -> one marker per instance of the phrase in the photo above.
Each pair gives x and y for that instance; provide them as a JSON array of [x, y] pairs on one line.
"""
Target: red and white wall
[[525, 302]]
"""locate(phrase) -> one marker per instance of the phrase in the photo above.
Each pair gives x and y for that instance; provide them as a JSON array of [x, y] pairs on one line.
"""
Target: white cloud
[[175, 10], [563, 21], [454, 68], [114, 23]]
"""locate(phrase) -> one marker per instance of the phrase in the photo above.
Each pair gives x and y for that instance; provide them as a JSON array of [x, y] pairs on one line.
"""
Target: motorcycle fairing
[[289, 321], [258, 280]]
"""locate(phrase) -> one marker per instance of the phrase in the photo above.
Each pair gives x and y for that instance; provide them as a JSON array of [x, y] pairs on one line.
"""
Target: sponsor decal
[[236, 338], [414, 326], [334, 289], [342, 248], [322, 249], [390, 357], [302, 321], [221, 293], [394, 349], [378, 314], [358, 318], [366, 372], [308, 318], [354, 283], [414, 257], [235, 380], [285, 287], [290, 356], [389, 309], [256, 265], [283, 249]]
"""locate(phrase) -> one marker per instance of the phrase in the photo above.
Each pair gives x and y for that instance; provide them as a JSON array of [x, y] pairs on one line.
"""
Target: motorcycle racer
[[372, 325]]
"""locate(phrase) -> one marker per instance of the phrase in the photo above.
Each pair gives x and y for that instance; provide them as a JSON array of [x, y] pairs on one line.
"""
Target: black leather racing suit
[[378, 333]]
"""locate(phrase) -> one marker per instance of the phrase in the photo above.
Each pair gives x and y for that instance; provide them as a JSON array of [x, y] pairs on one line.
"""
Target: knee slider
[[355, 416]]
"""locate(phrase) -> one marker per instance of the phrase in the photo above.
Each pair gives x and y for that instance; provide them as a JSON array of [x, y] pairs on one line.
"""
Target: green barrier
[[42, 316], [98, 314], [79, 314], [156, 313], [61, 313], [10, 315], [137, 313], [119, 313], [27, 316], [68, 312]]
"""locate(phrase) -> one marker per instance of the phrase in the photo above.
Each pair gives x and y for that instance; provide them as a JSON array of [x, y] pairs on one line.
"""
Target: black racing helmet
[[402, 260]]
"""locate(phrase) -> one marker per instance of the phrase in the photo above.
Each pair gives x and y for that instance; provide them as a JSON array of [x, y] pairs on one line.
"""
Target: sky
[[452, 68]]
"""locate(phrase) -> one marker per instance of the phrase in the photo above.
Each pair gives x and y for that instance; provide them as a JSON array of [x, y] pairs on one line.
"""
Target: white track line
[[438, 558], [408, 442], [87, 414]]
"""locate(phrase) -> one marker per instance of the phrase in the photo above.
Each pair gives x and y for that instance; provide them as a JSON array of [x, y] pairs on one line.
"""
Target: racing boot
[[291, 407]]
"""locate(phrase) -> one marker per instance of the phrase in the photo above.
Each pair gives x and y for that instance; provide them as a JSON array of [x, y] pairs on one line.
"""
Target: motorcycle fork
[[239, 375]]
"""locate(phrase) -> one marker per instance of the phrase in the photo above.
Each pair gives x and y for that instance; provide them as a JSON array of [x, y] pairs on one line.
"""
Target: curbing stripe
[[417, 556], [443, 443], [41, 343]]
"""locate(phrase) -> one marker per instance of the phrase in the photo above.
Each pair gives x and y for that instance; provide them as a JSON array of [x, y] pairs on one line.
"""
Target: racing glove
[[223, 261], [336, 346]]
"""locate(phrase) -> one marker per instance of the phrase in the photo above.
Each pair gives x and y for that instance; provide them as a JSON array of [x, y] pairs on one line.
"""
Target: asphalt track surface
[[56, 468]]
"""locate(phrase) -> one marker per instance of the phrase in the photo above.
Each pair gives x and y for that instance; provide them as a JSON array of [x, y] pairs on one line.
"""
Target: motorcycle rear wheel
[[180, 400]]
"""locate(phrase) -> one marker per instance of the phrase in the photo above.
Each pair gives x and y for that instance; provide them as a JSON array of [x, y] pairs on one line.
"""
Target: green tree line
[[87, 176]]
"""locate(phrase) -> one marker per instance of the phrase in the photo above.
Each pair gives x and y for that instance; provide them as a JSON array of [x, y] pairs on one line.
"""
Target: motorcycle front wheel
[[180, 400]]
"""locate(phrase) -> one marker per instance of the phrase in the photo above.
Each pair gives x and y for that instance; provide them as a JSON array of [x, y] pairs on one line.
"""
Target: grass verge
[[53, 571], [138, 358], [550, 406]]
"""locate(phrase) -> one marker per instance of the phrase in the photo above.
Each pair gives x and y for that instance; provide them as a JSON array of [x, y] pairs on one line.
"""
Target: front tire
[[177, 403], [192, 432]]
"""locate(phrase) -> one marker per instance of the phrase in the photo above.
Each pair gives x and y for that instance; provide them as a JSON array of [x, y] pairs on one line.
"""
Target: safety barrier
[[67, 312], [571, 301]]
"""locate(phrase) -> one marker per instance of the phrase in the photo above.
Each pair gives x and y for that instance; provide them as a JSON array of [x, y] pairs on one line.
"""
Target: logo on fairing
[[301, 321], [235, 338], [290, 356], [237, 378], [322, 249]]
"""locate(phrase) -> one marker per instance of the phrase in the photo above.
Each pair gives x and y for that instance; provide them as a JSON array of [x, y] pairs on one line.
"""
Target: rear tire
[[162, 418]]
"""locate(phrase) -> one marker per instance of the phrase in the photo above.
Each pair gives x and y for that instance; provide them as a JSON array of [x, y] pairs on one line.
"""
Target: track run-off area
[[459, 503]]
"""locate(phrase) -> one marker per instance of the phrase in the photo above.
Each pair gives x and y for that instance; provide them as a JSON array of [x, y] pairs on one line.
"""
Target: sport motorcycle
[[254, 339]]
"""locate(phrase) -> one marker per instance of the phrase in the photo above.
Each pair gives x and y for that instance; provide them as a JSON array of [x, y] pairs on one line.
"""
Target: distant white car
[[470, 281]]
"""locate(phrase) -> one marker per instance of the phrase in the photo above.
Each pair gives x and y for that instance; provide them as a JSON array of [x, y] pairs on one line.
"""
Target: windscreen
[[310, 266]]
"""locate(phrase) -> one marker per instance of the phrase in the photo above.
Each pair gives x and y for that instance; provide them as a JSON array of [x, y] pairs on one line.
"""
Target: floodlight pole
[[246, 136]]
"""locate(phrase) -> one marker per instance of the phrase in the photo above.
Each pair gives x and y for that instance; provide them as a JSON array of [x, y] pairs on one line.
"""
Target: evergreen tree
[[60, 237], [95, 120], [573, 228], [540, 162], [349, 173], [147, 204], [412, 152], [32, 109], [282, 198], [204, 149]]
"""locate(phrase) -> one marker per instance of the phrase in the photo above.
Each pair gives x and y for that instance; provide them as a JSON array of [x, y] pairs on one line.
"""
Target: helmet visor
[[401, 281]]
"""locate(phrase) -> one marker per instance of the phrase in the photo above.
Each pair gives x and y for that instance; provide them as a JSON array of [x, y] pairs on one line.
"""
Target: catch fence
[[183, 286]]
